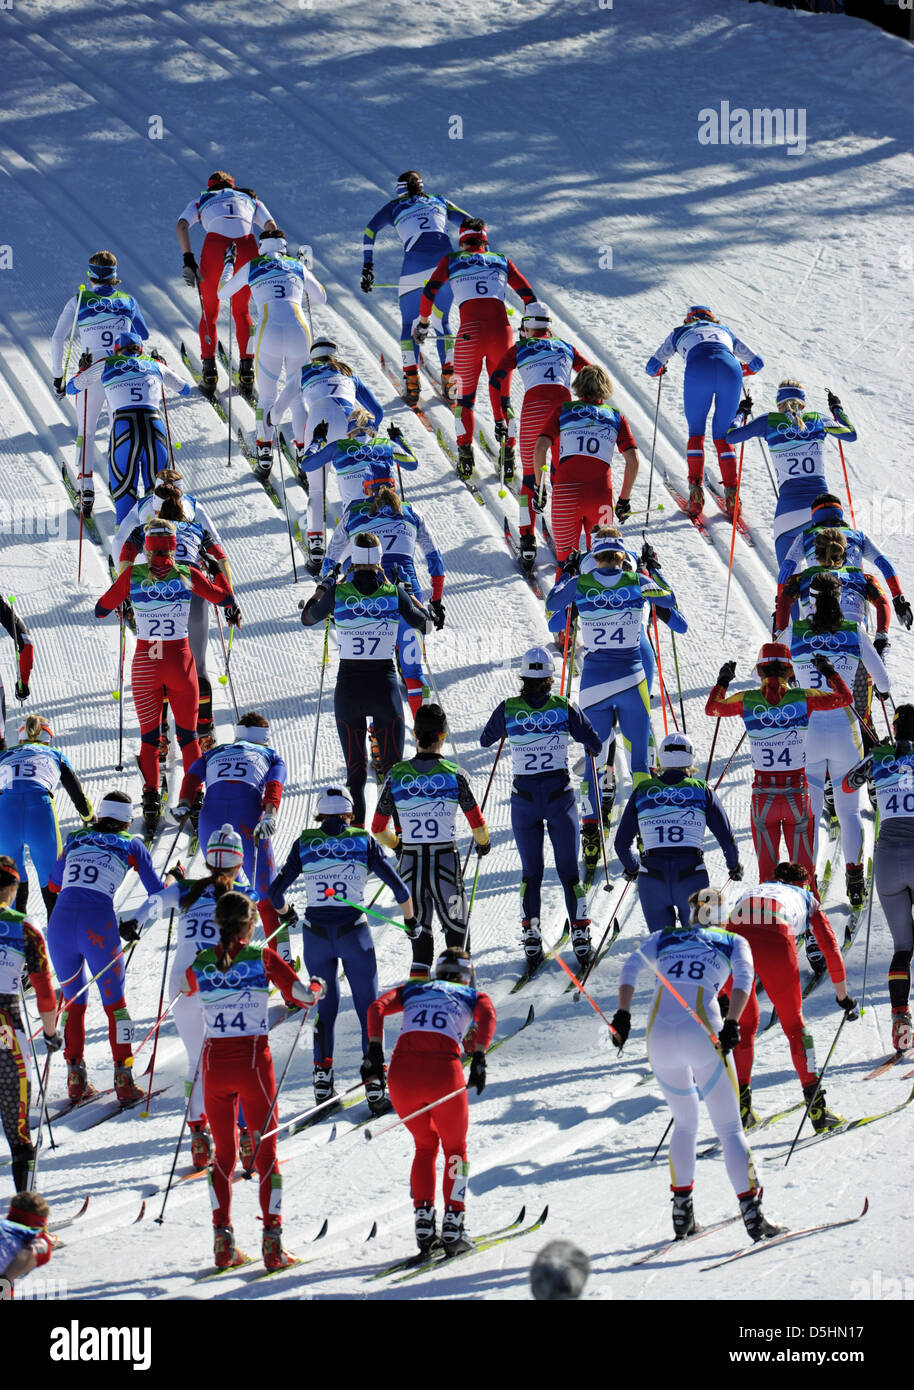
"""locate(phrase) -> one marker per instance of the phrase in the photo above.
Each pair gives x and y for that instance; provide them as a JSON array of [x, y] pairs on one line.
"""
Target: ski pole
[[206, 337], [317, 722], [888, 722], [66, 360], [174, 1162], [285, 502], [315, 1110], [144, 1114], [565, 646], [589, 997], [847, 484], [43, 1115], [650, 481], [730, 759], [739, 479], [678, 679], [501, 466], [82, 474], [774, 484], [171, 451], [607, 886], [228, 673], [485, 798], [120, 692], [395, 1124], [809, 1103], [713, 745], [662, 1139], [663, 695], [866, 952], [306, 1009], [612, 917], [466, 939], [339, 900], [304, 255], [229, 260], [573, 641]]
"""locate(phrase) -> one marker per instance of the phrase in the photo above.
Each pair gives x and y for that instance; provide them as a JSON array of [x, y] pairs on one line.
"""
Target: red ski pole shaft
[[730, 759], [486, 795], [847, 485], [589, 997], [82, 474], [565, 647], [663, 696], [739, 479], [713, 745]]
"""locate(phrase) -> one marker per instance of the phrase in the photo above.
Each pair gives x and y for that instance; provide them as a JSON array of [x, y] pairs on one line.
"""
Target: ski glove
[[266, 826], [321, 431], [53, 1041], [620, 1027], [881, 643], [823, 665], [903, 610], [180, 812], [501, 431], [178, 872], [190, 272], [623, 509], [539, 499], [233, 615], [573, 564], [367, 278], [736, 873], [849, 1006], [728, 1036], [22, 690], [745, 406], [482, 848], [477, 1076], [85, 361], [289, 917], [154, 352], [373, 1062], [726, 673], [129, 929], [436, 608], [420, 332], [833, 402], [648, 559], [395, 433], [412, 927], [59, 386], [880, 694], [631, 875], [661, 371]]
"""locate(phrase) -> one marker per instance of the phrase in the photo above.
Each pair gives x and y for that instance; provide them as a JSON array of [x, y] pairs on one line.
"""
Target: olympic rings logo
[[539, 721], [165, 589], [368, 607], [425, 784], [232, 979], [329, 849], [834, 641], [677, 796], [779, 717]]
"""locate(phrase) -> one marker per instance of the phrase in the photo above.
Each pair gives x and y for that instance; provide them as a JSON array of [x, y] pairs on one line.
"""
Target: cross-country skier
[[479, 279], [585, 432], [234, 979], [83, 932], [796, 438], [11, 622], [669, 813], [689, 1059], [426, 1066], [283, 289], [857, 588], [96, 318], [400, 528], [228, 216], [134, 385], [23, 952], [198, 543], [349, 458], [29, 775], [366, 608], [538, 726], [423, 795], [336, 861], [715, 363], [322, 401], [421, 221], [611, 602], [770, 917], [160, 592], [194, 901], [24, 1240], [833, 743], [777, 721]]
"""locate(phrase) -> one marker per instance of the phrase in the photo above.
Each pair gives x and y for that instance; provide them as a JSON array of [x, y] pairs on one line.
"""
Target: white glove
[[265, 827]]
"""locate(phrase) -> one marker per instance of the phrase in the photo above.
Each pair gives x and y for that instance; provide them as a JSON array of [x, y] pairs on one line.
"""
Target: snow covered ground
[[573, 129]]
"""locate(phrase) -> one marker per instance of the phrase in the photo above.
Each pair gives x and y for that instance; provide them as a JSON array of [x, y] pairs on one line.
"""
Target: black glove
[[903, 610], [723, 1001], [436, 608], [648, 559], [477, 1076], [539, 499], [233, 615], [367, 278], [53, 1041], [849, 1006], [726, 673], [880, 694], [190, 272], [881, 643], [395, 433], [412, 927], [623, 509], [482, 849], [728, 1036], [501, 430], [833, 402], [745, 406], [631, 875], [229, 257], [85, 361], [22, 690], [154, 352], [573, 564], [129, 929], [289, 917], [59, 386], [621, 1025], [823, 665], [373, 1062], [320, 433], [736, 872]]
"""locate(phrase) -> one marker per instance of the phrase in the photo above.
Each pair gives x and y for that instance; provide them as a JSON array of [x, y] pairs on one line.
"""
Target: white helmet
[[535, 316], [224, 849], [334, 801], [537, 663], [676, 751], [323, 347]]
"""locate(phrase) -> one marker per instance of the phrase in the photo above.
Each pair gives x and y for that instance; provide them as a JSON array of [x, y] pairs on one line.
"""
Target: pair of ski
[[697, 519], [115, 1108], [757, 1246], [763, 1123], [427, 1261], [846, 1126], [245, 1260], [547, 956]]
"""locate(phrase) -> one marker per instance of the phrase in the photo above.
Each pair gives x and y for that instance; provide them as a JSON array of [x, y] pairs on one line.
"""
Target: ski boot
[[581, 943], [78, 1087], [201, 1145], [856, 884], [164, 748], [683, 1215], [466, 461], [901, 1030], [746, 1113], [814, 956], [206, 736], [152, 810], [210, 377], [453, 1238], [86, 499], [590, 848], [448, 384], [607, 795], [821, 1118], [527, 550], [225, 1254], [696, 499], [828, 801], [730, 501], [377, 1097], [264, 464], [509, 463], [411, 385], [533, 943], [246, 378], [124, 1087], [323, 1081], [316, 552], [245, 1148], [274, 1257], [754, 1219], [427, 1237]]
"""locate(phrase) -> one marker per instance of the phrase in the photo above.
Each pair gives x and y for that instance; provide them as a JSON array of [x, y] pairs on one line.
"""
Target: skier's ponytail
[[793, 406], [386, 497], [234, 917], [828, 617], [903, 725], [171, 503]]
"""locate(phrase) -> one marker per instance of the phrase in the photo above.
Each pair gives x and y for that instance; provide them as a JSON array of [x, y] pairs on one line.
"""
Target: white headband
[[110, 809], [253, 735], [366, 554]]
